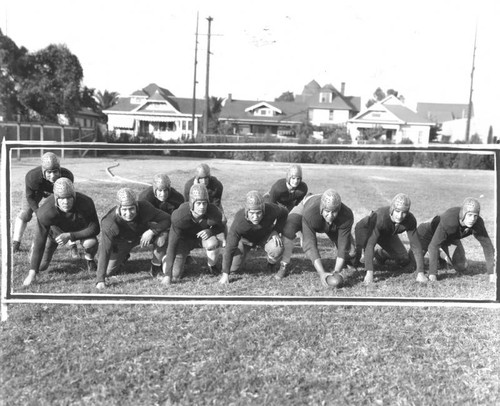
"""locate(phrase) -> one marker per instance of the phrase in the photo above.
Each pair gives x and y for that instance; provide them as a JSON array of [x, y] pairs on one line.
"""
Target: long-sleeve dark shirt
[[274, 219], [214, 189], [288, 198], [184, 229], [338, 232], [81, 222], [446, 228], [37, 187], [380, 225], [174, 200], [113, 228]]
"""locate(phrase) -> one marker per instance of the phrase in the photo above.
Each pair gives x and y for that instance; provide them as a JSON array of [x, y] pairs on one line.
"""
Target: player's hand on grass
[[224, 279], [323, 276], [147, 237], [166, 280], [277, 240]]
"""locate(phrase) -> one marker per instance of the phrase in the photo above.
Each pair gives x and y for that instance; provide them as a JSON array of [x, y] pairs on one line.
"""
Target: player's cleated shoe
[[422, 278], [282, 272], [31, 278], [91, 265], [213, 270], [433, 278], [155, 270], [16, 246], [74, 252]]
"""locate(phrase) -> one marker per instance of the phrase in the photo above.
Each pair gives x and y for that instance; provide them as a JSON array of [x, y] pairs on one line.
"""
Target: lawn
[[256, 354]]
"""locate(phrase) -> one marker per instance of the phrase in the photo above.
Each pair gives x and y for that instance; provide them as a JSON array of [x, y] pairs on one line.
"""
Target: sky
[[259, 49]]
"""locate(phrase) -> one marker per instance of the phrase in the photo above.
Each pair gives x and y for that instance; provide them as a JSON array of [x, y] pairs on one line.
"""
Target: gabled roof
[[263, 104], [239, 110], [442, 112], [311, 92], [393, 111], [154, 94]]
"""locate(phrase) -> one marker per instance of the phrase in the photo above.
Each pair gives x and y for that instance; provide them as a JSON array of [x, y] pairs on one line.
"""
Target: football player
[[382, 227], [39, 183], [445, 232], [195, 224], [288, 192], [65, 215], [326, 214], [162, 195], [129, 224], [258, 224]]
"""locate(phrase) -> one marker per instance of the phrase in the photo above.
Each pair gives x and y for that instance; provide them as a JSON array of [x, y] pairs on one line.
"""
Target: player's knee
[[211, 243]]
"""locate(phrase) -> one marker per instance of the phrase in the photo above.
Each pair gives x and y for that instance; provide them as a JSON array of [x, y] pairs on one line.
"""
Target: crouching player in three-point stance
[[290, 191], [127, 225], [195, 224], [65, 215], [162, 195], [258, 224], [39, 183], [318, 214], [445, 232], [382, 227]]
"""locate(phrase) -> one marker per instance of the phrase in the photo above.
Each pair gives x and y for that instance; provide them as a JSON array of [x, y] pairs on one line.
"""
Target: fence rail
[[17, 131]]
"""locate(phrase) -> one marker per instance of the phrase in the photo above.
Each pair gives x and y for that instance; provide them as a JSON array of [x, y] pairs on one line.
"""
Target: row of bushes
[[456, 160]]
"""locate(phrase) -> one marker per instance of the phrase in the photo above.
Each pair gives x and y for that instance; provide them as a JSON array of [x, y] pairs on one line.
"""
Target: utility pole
[[193, 117], [207, 101], [469, 110]]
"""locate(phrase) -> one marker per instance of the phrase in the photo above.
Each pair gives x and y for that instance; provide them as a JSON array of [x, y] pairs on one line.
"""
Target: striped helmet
[[330, 200], [470, 205], [294, 170], [50, 162], [161, 181], [400, 202], [202, 171], [63, 187], [126, 197], [198, 192], [254, 201]]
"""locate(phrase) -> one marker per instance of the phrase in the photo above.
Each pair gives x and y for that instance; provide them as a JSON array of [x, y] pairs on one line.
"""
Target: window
[[330, 115]]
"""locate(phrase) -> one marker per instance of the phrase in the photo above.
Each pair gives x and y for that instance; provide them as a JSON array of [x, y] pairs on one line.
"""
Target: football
[[335, 280]]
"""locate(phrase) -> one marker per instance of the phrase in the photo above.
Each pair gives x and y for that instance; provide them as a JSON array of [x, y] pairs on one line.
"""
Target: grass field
[[265, 354]]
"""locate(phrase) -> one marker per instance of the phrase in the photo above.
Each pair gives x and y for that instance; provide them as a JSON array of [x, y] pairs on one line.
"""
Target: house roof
[[442, 112], [154, 94], [311, 92], [239, 110]]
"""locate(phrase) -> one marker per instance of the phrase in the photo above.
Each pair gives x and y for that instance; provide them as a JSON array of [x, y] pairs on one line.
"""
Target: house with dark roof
[[327, 106], [391, 120], [321, 106], [250, 117], [155, 111]]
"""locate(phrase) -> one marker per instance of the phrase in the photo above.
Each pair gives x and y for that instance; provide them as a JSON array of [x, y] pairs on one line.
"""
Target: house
[[250, 117], [327, 106], [320, 106], [450, 118], [390, 120], [155, 111]]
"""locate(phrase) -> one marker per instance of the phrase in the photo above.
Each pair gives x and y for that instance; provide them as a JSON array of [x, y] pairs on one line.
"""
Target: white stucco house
[[155, 111], [391, 120]]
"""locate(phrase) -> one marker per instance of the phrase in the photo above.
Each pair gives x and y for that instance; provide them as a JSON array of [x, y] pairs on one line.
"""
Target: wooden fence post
[[62, 141]]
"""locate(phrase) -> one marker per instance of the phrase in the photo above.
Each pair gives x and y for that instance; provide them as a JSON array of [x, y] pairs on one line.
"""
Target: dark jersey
[[113, 228], [274, 219], [446, 228], [185, 227], [174, 200], [37, 187], [214, 188], [379, 225], [81, 222], [312, 222], [289, 198]]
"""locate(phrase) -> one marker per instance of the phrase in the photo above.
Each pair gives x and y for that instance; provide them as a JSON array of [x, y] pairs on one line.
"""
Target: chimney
[[229, 97], [342, 88]]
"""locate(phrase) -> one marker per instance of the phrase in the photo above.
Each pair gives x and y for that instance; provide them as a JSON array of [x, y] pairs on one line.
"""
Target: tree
[[51, 84], [286, 96], [106, 99], [380, 95], [215, 106]]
